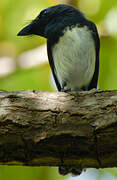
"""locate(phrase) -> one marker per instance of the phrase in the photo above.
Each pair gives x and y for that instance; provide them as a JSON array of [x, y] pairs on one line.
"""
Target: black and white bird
[[72, 44]]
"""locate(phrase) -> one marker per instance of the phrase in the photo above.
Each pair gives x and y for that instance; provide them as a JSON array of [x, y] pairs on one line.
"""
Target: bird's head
[[52, 21]]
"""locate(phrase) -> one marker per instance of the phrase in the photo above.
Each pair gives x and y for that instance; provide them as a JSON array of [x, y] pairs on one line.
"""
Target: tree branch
[[57, 128]]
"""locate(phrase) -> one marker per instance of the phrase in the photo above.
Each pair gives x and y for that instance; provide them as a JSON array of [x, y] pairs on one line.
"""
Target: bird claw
[[64, 170]]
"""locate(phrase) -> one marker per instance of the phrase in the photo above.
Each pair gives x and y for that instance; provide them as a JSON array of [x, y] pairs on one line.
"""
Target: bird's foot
[[64, 170]]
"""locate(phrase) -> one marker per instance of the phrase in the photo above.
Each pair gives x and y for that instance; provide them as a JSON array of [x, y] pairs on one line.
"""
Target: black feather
[[51, 24]]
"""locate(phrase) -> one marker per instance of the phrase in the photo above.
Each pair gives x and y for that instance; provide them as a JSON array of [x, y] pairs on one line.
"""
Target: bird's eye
[[43, 13]]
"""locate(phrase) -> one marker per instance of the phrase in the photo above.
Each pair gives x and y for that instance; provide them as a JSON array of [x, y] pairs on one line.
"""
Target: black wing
[[51, 62], [94, 81]]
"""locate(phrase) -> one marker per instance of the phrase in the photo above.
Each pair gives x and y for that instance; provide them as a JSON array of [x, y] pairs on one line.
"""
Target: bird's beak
[[26, 31], [34, 28]]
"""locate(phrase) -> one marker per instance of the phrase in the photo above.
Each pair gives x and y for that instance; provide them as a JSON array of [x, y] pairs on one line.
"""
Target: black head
[[53, 20]]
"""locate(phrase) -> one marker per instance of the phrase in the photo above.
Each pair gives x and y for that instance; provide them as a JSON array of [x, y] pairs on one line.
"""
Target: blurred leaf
[[15, 15], [28, 173], [108, 63], [34, 78]]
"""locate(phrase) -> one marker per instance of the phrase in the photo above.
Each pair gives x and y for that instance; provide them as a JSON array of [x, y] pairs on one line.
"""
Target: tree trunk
[[58, 129]]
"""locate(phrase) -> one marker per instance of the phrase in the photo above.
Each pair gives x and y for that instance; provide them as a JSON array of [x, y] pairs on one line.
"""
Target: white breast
[[74, 58]]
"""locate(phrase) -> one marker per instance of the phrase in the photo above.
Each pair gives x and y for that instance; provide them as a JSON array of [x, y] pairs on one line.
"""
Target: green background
[[16, 14]]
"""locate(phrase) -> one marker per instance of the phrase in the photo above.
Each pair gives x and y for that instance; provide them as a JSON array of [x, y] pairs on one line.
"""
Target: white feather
[[74, 57]]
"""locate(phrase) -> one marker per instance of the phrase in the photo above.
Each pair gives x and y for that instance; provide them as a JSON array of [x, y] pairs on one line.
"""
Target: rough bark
[[57, 128]]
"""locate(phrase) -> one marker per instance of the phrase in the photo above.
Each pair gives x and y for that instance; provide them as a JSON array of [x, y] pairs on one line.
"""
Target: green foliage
[[29, 173], [33, 78], [108, 63], [15, 15]]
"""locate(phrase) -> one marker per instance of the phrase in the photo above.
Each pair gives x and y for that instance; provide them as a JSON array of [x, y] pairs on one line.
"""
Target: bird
[[73, 46]]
